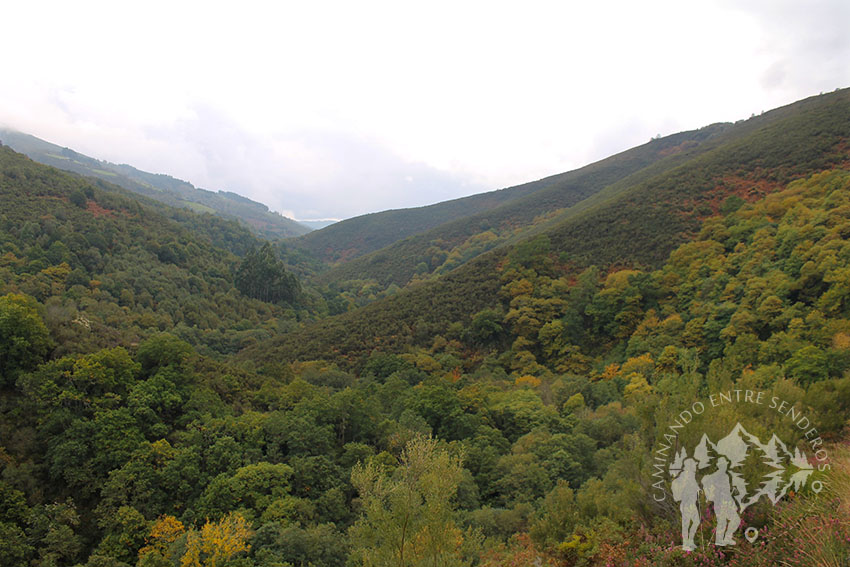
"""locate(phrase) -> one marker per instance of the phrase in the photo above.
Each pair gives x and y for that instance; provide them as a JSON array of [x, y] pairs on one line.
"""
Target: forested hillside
[[354, 237], [453, 242], [110, 270], [715, 161], [164, 188], [153, 455], [512, 207], [634, 222], [506, 413]]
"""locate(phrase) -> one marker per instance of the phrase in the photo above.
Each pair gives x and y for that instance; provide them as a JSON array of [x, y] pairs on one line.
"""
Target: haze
[[334, 109]]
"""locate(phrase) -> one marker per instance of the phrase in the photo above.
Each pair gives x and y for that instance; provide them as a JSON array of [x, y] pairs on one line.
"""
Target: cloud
[[310, 173], [336, 109], [806, 44]]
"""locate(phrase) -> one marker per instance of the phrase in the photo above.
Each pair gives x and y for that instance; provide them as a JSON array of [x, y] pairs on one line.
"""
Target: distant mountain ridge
[[355, 237], [455, 241], [163, 188], [632, 221]]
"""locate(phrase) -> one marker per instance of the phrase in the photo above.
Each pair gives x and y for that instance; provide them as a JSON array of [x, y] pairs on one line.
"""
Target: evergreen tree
[[262, 276]]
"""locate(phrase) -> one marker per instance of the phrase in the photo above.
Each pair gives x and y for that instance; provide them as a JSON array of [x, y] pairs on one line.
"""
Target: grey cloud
[[345, 175], [807, 40]]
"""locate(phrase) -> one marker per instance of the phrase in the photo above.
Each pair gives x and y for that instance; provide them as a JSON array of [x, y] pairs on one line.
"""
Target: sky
[[334, 109]]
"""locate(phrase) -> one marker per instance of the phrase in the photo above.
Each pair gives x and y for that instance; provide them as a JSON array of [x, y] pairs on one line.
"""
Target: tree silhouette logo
[[716, 470]]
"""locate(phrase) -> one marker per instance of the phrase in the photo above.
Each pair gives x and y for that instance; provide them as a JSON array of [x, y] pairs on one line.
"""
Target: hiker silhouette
[[685, 490], [718, 489]]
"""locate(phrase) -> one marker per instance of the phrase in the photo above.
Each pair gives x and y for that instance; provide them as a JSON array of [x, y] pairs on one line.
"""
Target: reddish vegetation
[[748, 189], [844, 148], [97, 210]]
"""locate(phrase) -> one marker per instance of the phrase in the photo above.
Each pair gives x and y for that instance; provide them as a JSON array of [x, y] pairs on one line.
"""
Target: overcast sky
[[334, 109]]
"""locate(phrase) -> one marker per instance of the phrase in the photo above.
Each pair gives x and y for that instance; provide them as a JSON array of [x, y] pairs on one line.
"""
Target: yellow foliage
[[668, 358], [164, 532], [532, 381], [841, 341], [422, 361], [611, 371], [642, 364], [637, 387], [520, 287], [574, 403], [163, 452], [673, 323], [439, 343], [648, 325], [216, 542], [619, 280], [9, 259], [59, 273]]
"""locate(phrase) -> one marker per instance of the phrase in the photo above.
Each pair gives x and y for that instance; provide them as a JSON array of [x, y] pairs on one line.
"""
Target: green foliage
[[633, 219], [163, 188], [486, 327], [407, 517], [252, 490], [78, 198], [24, 340], [262, 276], [117, 269], [378, 247], [321, 545], [381, 366], [137, 440], [161, 351]]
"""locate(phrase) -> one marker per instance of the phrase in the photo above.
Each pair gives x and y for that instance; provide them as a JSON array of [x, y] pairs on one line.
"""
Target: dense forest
[[164, 188], [176, 392]]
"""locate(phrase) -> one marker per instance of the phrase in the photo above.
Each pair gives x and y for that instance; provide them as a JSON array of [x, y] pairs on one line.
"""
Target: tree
[[78, 198], [53, 527], [216, 542], [125, 534], [808, 365], [262, 276], [24, 340], [163, 533], [161, 350], [14, 548], [407, 517], [253, 488], [486, 327]]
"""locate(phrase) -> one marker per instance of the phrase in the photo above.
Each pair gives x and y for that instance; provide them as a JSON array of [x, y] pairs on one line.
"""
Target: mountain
[[164, 188], [354, 237], [636, 220], [154, 411], [556, 205], [438, 238], [125, 265]]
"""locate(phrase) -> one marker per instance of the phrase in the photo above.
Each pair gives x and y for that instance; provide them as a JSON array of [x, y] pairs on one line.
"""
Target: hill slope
[[115, 267], [163, 188], [354, 237], [630, 224], [444, 247]]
